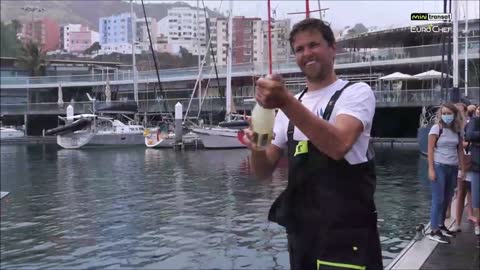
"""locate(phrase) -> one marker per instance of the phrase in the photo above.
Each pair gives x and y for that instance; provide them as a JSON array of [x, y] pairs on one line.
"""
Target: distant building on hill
[[45, 32]]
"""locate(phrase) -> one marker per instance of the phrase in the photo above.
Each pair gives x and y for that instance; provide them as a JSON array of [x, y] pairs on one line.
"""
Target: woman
[[472, 135], [464, 185], [445, 157]]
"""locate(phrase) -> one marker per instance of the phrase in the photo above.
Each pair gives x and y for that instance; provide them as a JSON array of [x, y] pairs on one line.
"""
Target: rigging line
[[211, 47], [162, 93]]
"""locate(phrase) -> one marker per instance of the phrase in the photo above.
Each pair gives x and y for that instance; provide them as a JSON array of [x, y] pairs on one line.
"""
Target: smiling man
[[327, 208]]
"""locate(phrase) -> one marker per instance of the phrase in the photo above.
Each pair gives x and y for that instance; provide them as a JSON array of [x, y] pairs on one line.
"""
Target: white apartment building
[[143, 42], [219, 36], [65, 35], [116, 34], [280, 45], [186, 30]]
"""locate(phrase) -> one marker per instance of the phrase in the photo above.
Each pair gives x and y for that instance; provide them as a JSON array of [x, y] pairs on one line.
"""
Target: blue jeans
[[442, 192], [475, 189]]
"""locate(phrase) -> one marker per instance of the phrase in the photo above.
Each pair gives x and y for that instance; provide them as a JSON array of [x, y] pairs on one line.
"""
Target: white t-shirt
[[446, 151], [357, 100]]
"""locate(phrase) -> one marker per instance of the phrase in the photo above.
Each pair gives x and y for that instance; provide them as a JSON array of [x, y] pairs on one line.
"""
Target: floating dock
[[424, 253]]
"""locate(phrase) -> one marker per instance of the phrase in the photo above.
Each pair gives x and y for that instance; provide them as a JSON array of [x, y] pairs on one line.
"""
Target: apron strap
[[326, 114]]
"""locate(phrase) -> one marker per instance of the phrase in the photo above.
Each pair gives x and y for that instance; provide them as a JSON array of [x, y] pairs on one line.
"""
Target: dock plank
[[461, 253]]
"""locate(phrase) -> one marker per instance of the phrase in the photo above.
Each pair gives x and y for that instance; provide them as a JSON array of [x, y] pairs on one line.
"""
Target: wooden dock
[[423, 253], [30, 140], [409, 143]]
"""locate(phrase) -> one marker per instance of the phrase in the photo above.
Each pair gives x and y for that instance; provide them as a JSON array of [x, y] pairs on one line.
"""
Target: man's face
[[313, 55]]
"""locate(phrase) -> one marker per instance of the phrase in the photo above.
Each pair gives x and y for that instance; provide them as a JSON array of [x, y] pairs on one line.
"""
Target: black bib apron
[[328, 208]]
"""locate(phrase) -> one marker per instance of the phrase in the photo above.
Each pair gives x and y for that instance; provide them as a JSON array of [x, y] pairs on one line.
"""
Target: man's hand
[[248, 137], [271, 92]]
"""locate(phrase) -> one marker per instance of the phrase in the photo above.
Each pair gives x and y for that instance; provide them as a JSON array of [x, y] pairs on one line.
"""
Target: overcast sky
[[343, 13]]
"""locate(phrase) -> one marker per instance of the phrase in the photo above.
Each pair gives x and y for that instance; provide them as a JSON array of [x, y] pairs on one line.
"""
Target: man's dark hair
[[311, 24]]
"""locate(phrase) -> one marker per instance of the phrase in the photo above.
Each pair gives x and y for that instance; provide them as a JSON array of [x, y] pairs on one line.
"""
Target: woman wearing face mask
[[445, 157]]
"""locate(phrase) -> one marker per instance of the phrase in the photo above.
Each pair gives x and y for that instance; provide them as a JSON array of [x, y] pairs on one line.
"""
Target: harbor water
[[144, 208]]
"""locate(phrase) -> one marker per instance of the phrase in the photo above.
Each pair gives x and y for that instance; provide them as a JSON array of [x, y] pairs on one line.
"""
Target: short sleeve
[[359, 103], [435, 130], [280, 130]]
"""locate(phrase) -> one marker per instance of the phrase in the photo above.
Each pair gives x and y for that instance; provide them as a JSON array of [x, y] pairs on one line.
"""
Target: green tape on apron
[[339, 265]]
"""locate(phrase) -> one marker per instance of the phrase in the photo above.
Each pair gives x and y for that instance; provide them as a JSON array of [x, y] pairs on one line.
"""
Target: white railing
[[247, 69]]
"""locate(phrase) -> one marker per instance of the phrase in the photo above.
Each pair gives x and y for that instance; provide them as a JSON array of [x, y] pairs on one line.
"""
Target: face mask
[[447, 118]]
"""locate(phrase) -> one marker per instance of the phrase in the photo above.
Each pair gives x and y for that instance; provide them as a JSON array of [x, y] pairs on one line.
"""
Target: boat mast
[[307, 8], [134, 64], [455, 90], [466, 48], [269, 30], [229, 64]]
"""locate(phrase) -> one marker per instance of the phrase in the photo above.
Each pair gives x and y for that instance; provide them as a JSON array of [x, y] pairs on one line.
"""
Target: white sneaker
[[477, 230], [456, 228]]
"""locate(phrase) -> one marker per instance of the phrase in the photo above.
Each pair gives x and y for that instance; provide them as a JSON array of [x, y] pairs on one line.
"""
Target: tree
[[358, 29], [93, 48], [188, 59], [16, 25], [9, 44], [32, 59]]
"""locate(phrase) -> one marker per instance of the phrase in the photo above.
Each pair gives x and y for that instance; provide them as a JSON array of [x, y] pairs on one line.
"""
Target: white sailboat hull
[[218, 138], [83, 139], [10, 133]]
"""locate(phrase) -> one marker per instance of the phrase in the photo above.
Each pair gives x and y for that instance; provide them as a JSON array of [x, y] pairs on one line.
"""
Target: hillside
[[84, 12]]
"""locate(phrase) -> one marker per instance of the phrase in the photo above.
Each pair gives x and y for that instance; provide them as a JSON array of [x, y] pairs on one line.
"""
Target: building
[[186, 30], [142, 39], [280, 45], [116, 34], [77, 38], [219, 39], [45, 32], [65, 35], [243, 39], [80, 40]]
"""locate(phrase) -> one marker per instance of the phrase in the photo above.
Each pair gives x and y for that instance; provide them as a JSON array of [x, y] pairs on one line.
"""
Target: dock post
[[178, 122]]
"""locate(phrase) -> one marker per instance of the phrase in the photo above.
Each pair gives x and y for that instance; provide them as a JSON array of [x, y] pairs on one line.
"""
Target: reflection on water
[[160, 209]]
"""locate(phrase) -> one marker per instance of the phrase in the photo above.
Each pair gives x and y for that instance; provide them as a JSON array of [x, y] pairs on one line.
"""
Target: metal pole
[[229, 63], [307, 8], [466, 48], [199, 57], [269, 30], [319, 10], [455, 92], [134, 64]]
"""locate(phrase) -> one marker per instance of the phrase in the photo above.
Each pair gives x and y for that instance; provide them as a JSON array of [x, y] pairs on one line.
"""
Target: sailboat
[[225, 135]]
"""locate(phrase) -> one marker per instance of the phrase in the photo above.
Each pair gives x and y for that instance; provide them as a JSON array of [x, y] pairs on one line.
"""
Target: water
[[160, 209]]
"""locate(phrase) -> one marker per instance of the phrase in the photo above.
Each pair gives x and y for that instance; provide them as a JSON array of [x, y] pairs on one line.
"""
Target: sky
[[342, 13]]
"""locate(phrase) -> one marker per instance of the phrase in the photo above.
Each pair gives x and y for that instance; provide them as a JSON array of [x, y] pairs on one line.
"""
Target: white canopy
[[431, 74], [397, 76]]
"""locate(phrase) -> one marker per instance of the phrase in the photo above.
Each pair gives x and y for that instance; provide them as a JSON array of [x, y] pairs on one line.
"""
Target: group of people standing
[[454, 162]]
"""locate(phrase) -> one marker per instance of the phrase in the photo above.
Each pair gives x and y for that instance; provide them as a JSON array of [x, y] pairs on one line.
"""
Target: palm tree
[[32, 59]]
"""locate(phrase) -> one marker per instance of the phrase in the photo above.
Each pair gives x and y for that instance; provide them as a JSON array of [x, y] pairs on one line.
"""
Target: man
[[327, 208]]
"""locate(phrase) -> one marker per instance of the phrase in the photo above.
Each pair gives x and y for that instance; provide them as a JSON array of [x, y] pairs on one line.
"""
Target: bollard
[[420, 232], [178, 122]]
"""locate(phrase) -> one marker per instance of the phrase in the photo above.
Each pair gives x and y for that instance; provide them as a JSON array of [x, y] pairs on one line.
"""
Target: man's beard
[[318, 75]]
